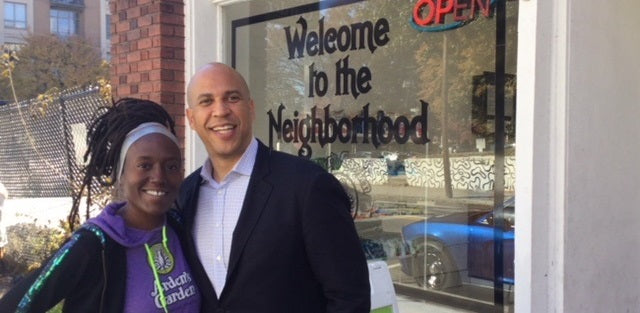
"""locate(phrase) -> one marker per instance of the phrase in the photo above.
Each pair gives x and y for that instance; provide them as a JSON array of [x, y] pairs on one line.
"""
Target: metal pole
[[498, 198]]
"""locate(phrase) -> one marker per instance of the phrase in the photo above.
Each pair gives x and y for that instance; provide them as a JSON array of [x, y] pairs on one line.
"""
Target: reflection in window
[[63, 22], [15, 15], [425, 208]]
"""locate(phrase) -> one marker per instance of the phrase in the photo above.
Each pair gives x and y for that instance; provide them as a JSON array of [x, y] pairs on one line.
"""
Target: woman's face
[[150, 180]]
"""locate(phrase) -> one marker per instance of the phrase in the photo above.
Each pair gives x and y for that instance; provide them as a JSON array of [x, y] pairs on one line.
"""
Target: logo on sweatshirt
[[162, 259], [177, 288]]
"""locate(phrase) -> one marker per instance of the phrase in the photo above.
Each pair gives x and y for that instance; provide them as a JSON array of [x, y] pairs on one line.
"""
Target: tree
[[50, 62]]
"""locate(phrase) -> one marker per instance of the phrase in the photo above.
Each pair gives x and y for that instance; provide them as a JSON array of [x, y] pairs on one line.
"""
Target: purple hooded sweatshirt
[[141, 295]]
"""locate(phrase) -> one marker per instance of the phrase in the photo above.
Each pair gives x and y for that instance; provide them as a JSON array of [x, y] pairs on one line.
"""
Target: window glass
[[8, 13], [15, 15], [403, 105], [107, 19], [64, 22]]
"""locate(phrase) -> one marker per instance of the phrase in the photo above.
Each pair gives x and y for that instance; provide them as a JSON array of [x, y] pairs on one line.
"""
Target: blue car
[[457, 248]]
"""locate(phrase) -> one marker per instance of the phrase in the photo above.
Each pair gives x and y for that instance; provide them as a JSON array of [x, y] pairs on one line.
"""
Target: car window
[[509, 219], [486, 220]]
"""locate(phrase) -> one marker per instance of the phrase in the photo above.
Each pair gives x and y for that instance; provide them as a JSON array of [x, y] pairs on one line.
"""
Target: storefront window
[[401, 101]]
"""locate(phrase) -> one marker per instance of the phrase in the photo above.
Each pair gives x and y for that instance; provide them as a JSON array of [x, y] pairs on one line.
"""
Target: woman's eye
[[173, 167]]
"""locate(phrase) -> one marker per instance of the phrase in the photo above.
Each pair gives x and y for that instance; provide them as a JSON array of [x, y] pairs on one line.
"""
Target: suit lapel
[[255, 200], [188, 202]]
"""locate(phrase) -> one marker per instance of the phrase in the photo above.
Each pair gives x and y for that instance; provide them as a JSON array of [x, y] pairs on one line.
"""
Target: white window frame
[[14, 21], [204, 43]]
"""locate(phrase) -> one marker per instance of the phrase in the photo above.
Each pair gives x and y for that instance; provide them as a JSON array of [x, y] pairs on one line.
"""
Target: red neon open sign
[[430, 13]]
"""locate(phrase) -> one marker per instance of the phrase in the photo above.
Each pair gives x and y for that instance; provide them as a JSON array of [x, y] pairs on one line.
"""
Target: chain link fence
[[41, 148], [42, 144]]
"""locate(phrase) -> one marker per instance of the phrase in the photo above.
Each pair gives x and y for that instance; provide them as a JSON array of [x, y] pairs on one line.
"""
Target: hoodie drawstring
[[165, 240]]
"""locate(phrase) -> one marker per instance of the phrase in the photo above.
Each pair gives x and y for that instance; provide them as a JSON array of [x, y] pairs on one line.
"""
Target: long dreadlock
[[105, 136]]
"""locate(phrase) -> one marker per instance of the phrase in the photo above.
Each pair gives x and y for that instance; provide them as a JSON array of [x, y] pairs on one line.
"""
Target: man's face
[[221, 111]]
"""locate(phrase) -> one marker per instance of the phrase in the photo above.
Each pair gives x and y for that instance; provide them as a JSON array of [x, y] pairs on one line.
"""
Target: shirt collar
[[244, 166]]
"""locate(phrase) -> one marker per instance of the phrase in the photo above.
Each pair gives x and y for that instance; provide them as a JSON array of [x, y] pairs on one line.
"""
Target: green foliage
[[29, 245]]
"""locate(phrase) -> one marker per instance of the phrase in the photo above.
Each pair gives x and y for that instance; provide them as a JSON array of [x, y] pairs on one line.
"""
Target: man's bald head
[[214, 68]]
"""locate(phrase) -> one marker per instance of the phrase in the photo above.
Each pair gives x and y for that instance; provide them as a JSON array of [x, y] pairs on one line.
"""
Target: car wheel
[[437, 270]]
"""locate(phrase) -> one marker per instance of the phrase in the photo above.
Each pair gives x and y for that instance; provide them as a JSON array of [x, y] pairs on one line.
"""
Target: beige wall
[[41, 17], [90, 22], [578, 223]]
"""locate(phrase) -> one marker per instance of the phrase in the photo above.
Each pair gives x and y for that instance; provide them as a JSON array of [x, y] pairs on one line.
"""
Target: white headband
[[139, 132]]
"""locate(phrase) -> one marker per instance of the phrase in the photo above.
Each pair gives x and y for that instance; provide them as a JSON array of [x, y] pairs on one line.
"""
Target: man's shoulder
[[193, 177], [188, 190]]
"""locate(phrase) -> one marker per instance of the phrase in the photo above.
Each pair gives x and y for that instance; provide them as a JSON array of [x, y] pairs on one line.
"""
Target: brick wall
[[147, 54]]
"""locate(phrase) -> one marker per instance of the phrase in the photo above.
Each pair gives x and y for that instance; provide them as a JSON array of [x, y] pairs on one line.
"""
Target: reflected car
[[458, 248]]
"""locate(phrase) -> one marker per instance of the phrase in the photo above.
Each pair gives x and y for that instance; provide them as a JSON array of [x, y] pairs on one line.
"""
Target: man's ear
[[190, 117]]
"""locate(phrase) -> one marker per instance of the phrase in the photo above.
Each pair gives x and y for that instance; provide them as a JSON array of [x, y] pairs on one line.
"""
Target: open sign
[[430, 15]]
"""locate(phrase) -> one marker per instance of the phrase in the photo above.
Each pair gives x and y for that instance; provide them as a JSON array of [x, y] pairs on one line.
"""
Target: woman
[[128, 258]]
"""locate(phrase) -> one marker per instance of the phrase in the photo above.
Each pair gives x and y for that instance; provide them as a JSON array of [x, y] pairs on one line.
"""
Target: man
[[271, 232]]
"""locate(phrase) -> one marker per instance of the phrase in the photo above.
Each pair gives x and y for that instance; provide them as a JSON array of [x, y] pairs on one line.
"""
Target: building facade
[[148, 54], [84, 18], [487, 145], [399, 101]]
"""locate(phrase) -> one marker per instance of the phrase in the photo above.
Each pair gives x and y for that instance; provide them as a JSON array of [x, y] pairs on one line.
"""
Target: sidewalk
[[396, 197], [412, 305], [399, 183]]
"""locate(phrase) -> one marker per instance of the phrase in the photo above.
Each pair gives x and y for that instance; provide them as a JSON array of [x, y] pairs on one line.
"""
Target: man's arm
[[333, 247]]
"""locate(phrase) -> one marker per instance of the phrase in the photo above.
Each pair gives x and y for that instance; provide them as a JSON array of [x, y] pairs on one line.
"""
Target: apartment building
[[85, 18]]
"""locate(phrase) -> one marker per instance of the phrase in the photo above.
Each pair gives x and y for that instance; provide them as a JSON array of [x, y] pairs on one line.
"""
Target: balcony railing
[[68, 3]]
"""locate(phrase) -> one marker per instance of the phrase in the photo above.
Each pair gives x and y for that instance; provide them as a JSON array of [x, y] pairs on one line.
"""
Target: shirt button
[[217, 224], [219, 258], [219, 192]]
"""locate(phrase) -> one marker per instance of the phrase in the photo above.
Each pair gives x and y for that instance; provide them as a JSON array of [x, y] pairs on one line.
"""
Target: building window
[[421, 133], [108, 25], [15, 15], [10, 46], [64, 22], [69, 2]]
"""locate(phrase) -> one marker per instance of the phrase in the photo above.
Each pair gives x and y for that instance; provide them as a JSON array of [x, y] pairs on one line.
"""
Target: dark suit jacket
[[295, 247]]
